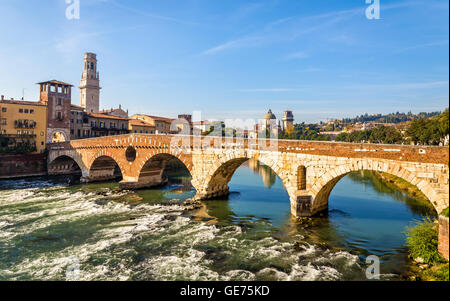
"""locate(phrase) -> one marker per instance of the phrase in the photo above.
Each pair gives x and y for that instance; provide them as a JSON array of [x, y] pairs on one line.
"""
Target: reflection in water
[[149, 235], [268, 175]]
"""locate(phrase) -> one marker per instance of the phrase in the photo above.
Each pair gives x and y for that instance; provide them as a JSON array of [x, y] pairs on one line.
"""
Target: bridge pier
[[212, 192], [150, 178]]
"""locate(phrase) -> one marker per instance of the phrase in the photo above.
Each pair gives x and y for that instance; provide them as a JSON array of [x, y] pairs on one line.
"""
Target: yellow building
[[161, 124], [141, 127], [23, 124]]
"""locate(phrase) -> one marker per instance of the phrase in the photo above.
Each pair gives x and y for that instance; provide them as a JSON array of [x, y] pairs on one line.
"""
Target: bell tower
[[90, 84]]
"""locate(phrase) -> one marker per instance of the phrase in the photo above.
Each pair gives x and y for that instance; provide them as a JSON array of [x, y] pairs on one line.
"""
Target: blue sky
[[234, 58]]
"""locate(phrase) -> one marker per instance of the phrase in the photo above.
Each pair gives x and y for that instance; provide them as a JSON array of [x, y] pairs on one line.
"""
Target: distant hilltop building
[[288, 121], [90, 84], [268, 119]]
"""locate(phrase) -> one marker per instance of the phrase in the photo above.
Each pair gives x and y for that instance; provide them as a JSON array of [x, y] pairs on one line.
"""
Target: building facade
[[57, 97], [141, 127], [23, 124], [116, 112], [90, 84], [79, 127], [105, 125], [161, 124]]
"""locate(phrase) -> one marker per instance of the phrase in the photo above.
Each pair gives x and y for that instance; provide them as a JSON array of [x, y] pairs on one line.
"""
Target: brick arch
[[325, 183], [104, 153], [75, 158], [147, 156]]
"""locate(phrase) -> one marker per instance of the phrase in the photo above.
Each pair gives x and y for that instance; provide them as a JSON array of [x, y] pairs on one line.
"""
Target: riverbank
[[423, 239], [405, 187]]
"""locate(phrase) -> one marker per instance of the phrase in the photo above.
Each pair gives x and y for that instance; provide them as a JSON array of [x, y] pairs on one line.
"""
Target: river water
[[52, 231]]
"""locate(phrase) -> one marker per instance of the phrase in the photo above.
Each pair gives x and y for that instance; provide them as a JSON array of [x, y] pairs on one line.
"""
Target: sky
[[234, 59]]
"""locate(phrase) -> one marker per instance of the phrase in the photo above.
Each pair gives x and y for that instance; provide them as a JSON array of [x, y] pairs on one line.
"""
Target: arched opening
[[163, 169], [252, 190], [64, 165], [58, 137], [322, 198], [369, 215], [301, 179], [104, 168]]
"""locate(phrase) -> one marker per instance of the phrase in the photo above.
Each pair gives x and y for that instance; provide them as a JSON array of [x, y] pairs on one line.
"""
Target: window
[[4, 110], [20, 110], [26, 111], [3, 121], [59, 101], [31, 111], [59, 114]]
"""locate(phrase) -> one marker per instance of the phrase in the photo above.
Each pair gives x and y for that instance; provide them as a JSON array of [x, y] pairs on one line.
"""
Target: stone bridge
[[309, 170]]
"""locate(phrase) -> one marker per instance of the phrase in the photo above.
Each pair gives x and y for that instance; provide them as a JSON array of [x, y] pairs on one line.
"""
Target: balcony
[[24, 125], [17, 136]]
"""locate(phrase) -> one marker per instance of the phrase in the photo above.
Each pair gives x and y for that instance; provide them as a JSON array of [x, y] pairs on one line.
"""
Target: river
[[50, 230]]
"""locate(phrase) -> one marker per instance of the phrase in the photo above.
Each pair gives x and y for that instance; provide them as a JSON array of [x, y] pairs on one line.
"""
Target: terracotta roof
[[105, 116], [169, 120], [76, 107], [56, 82], [139, 123], [23, 102]]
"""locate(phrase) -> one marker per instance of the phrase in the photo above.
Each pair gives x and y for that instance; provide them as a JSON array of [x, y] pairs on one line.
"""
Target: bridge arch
[[153, 168], [103, 166], [325, 183], [65, 164], [215, 183]]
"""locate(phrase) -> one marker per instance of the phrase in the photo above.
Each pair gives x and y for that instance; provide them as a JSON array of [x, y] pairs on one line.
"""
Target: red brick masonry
[[443, 236]]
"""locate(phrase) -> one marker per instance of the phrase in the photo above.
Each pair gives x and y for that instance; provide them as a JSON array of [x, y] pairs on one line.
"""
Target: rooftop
[[169, 120], [95, 115], [56, 82], [138, 122], [22, 102]]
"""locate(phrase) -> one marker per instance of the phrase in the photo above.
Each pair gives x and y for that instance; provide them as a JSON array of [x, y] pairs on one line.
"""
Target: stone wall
[[443, 236], [15, 166]]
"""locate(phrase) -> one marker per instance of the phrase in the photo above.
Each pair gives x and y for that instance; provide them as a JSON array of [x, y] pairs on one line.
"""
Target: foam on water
[[43, 229]]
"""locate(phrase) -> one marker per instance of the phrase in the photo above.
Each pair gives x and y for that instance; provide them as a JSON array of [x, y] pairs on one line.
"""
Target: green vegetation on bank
[[422, 241], [445, 212]]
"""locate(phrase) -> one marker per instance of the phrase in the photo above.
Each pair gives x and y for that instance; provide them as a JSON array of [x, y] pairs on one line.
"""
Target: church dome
[[269, 115]]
